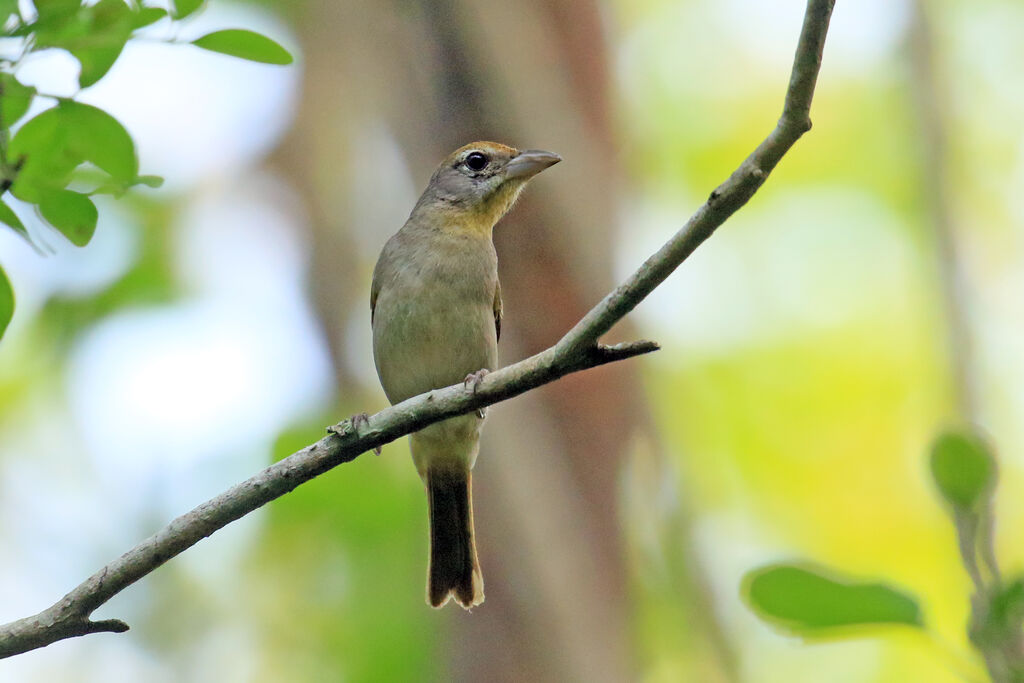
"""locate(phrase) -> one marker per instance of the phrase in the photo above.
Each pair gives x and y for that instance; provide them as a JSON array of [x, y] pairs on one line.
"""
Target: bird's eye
[[476, 161]]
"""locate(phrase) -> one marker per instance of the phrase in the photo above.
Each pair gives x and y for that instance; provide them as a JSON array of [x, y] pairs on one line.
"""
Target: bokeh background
[[220, 322]]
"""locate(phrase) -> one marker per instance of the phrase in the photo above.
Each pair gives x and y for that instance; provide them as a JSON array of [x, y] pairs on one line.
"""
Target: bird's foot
[[472, 382], [351, 426], [473, 379]]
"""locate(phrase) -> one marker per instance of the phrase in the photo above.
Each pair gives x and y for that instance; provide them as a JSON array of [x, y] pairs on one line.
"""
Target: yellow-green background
[[804, 368]]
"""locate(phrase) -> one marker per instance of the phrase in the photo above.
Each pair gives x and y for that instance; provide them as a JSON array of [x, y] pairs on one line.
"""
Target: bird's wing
[[374, 290], [378, 278], [497, 310]]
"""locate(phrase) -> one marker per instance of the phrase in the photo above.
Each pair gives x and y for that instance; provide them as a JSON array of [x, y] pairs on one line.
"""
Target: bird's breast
[[434, 321]]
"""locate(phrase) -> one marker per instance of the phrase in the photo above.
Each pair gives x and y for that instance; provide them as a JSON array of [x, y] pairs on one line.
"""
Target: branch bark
[[577, 350]]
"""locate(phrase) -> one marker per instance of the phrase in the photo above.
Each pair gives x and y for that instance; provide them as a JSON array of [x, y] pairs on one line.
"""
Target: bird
[[435, 310]]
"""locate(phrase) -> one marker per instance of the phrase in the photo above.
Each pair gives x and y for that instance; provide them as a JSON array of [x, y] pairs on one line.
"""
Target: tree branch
[[577, 350]]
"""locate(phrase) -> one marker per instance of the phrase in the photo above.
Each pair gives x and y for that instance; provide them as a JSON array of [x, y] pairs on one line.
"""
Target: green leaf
[[21, 30], [7, 8], [41, 145], [245, 44], [57, 21], [6, 302], [50, 9], [57, 141], [8, 217], [153, 181], [109, 25], [183, 8], [807, 602], [148, 15], [15, 99], [92, 181], [1006, 607], [99, 138], [963, 468], [95, 34], [72, 213]]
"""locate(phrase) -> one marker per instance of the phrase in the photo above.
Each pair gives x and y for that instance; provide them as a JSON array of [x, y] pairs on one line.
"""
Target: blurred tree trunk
[[437, 74], [547, 515]]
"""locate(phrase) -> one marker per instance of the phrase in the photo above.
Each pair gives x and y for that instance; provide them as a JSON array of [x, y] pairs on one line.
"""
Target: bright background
[[220, 322]]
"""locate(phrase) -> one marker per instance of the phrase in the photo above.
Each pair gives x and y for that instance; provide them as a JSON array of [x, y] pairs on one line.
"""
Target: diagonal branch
[[577, 350]]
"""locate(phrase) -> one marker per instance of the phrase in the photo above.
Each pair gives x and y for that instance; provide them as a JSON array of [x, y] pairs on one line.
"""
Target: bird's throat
[[483, 218], [478, 218]]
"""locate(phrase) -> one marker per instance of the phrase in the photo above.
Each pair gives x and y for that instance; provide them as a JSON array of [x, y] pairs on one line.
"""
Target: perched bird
[[435, 305]]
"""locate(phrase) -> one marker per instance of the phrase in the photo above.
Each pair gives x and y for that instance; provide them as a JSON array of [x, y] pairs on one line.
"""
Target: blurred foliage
[[6, 301], [808, 602], [63, 147], [800, 439], [339, 555], [964, 470], [801, 435], [147, 281], [244, 44]]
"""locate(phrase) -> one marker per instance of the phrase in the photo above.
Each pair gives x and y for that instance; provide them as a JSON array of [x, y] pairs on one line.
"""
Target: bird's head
[[478, 183]]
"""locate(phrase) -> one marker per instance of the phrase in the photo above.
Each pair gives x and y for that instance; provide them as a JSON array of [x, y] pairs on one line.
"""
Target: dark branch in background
[[930, 110], [577, 350]]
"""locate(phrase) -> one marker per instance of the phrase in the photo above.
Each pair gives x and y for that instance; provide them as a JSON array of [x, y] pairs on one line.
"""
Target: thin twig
[[577, 350]]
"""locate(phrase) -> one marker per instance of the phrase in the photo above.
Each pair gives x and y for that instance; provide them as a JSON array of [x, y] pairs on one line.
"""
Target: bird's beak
[[530, 162]]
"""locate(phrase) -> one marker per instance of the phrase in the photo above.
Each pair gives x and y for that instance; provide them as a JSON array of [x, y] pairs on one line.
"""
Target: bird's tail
[[454, 570]]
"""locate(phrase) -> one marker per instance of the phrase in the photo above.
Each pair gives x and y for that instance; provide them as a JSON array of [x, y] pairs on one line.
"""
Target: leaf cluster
[[60, 159]]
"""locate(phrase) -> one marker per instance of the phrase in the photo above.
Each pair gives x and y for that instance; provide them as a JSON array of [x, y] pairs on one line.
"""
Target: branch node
[[626, 350], [349, 427], [798, 124], [106, 626]]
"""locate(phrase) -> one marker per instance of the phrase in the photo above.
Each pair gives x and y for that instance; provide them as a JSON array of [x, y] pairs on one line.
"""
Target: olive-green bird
[[435, 305]]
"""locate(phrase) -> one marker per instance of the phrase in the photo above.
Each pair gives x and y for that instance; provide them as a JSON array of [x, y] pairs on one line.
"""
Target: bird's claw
[[359, 419], [473, 379], [472, 382], [351, 426]]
